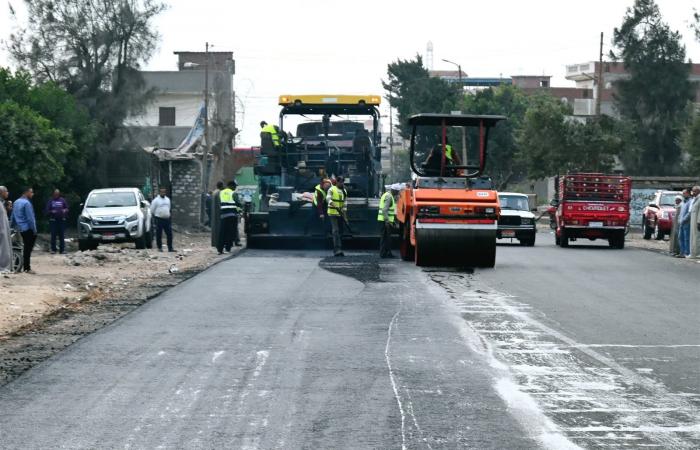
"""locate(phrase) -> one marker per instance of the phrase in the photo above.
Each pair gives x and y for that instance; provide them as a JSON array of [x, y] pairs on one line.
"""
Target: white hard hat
[[396, 187]]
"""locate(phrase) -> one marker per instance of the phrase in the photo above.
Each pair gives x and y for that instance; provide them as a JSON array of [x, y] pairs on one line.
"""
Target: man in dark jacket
[[57, 211]]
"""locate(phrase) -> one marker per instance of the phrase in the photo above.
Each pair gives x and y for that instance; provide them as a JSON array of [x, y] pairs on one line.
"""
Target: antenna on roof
[[429, 55]]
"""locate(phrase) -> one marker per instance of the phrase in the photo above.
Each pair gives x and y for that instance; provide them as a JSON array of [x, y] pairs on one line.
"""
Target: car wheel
[[149, 239], [658, 234], [646, 230], [85, 245], [563, 239], [141, 242]]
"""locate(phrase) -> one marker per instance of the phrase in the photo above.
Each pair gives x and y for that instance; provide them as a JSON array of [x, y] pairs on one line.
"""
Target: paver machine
[[321, 136], [448, 216]]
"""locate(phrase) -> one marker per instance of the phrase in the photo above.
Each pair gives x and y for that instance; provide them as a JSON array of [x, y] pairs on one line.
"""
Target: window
[[166, 116], [544, 83]]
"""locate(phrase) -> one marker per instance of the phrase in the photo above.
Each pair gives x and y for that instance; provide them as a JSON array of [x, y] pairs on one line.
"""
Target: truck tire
[[563, 239], [149, 239], [646, 230], [617, 241]]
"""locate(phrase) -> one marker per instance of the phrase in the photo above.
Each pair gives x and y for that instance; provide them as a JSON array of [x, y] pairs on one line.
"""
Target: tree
[[504, 163], [93, 50], [411, 90], [655, 97], [32, 152], [690, 144], [552, 143]]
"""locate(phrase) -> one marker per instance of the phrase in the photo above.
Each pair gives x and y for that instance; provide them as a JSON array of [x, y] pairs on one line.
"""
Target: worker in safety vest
[[269, 135], [386, 216], [318, 211], [229, 211], [337, 209]]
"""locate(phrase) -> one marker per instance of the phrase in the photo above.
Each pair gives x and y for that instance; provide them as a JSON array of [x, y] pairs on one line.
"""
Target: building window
[[166, 116], [544, 83], [586, 93]]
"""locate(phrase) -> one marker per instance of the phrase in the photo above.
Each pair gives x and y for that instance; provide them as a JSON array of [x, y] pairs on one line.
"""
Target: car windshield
[[668, 199], [111, 200], [515, 202]]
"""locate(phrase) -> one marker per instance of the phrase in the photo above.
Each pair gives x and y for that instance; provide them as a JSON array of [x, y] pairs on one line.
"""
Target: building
[[152, 136], [585, 76]]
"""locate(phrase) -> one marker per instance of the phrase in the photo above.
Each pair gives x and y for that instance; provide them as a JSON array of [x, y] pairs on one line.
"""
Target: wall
[[640, 199], [183, 177], [186, 110]]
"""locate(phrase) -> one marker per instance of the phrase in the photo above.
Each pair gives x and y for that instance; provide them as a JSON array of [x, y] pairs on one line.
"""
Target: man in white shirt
[[160, 210]]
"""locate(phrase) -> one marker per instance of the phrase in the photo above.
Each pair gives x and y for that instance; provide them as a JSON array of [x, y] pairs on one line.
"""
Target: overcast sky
[[328, 46]]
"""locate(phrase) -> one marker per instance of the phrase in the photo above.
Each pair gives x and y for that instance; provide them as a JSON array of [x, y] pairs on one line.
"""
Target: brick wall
[[184, 191]]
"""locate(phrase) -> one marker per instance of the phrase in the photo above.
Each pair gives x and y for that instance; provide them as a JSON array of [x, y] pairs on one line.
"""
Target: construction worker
[[228, 228], [386, 216], [269, 136], [337, 209], [318, 212]]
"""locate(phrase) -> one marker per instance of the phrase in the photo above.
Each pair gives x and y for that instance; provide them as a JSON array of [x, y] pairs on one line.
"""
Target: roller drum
[[462, 247]]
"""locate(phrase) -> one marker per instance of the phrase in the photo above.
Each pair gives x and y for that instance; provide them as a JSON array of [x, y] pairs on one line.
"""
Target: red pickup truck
[[593, 206]]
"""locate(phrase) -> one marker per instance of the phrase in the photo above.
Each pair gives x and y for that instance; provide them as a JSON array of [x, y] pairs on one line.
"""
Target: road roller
[[448, 215]]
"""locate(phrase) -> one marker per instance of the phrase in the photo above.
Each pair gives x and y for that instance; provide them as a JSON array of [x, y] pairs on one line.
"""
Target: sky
[[327, 46]]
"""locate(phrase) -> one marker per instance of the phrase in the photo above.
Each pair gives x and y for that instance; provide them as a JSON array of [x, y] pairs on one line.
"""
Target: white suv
[[115, 215], [516, 221]]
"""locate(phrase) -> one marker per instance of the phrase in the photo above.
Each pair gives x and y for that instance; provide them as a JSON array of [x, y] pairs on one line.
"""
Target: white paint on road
[[217, 355], [590, 397], [260, 360], [392, 378]]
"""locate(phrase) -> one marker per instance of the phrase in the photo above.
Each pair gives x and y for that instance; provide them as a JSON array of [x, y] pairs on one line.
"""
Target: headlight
[[84, 219], [132, 217], [664, 215], [490, 210], [527, 221]]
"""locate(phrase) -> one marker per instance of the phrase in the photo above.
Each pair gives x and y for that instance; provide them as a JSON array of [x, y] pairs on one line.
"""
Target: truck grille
[[509, 220]]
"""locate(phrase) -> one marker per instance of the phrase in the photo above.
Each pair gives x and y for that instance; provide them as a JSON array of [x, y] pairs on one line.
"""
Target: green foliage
[[504, 163], [92, 50], [31, 150], [654, 99], [553, 143], [411, 90], [691, 144]]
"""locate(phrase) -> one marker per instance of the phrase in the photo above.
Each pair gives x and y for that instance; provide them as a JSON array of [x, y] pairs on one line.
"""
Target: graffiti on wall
[[640, 199]]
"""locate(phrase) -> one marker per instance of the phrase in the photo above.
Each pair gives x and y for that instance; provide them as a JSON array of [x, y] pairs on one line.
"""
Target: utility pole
[[391, 138], [599, 93], [207, 148]]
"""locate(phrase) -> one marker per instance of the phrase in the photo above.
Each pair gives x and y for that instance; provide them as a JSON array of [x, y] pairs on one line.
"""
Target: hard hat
[[396, 187]]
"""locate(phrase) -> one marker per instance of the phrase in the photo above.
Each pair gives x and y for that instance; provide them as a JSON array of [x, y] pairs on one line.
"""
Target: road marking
[[589, 396], [387, 357], [216, 356]]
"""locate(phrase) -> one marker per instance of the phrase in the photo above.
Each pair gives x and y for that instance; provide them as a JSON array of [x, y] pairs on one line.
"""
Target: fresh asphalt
[[554, 348]]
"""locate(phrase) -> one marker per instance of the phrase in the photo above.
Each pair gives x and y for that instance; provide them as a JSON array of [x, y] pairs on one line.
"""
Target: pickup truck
[[657, 218], [593, 206]]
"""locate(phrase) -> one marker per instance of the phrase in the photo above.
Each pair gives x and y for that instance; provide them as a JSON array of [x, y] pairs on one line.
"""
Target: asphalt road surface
[[555, 348]]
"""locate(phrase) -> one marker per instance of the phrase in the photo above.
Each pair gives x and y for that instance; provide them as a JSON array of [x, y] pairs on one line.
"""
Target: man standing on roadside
[[386, 217], [25, 220], [228, 230], [160, 209], [57, 211], [684, 228], [694, 250], [5, 240], [673, 244]]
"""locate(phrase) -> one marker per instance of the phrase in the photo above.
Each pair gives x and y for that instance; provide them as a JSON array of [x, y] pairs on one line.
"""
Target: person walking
[[337, 209], [684, 228], [694, 249], [386, 217], [25, 220], [5, 236], [57, 211], [216, 213], [160, 210], [673, 243], [228, 228]]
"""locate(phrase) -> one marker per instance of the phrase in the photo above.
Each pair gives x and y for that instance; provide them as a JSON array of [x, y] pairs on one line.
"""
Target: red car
[[657, 218]]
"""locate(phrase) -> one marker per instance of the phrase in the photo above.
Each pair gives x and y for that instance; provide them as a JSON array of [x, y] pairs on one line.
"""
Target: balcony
[[580, 72]]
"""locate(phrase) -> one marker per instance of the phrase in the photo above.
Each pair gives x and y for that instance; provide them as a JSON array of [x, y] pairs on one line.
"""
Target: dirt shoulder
[[75, 294]]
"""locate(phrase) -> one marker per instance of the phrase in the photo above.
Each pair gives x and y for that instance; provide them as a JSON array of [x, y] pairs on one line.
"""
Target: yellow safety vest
[[392, 207], [318, 190], [269, 128], [448, 152], [337, 201], [228, 203]]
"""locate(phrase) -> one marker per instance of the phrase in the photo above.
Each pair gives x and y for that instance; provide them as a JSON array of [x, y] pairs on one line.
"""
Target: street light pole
[[207, 148], [461, 89]]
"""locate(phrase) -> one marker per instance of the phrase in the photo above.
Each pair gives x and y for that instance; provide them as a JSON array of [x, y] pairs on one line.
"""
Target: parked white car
[[516, 221], [115, 215]]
